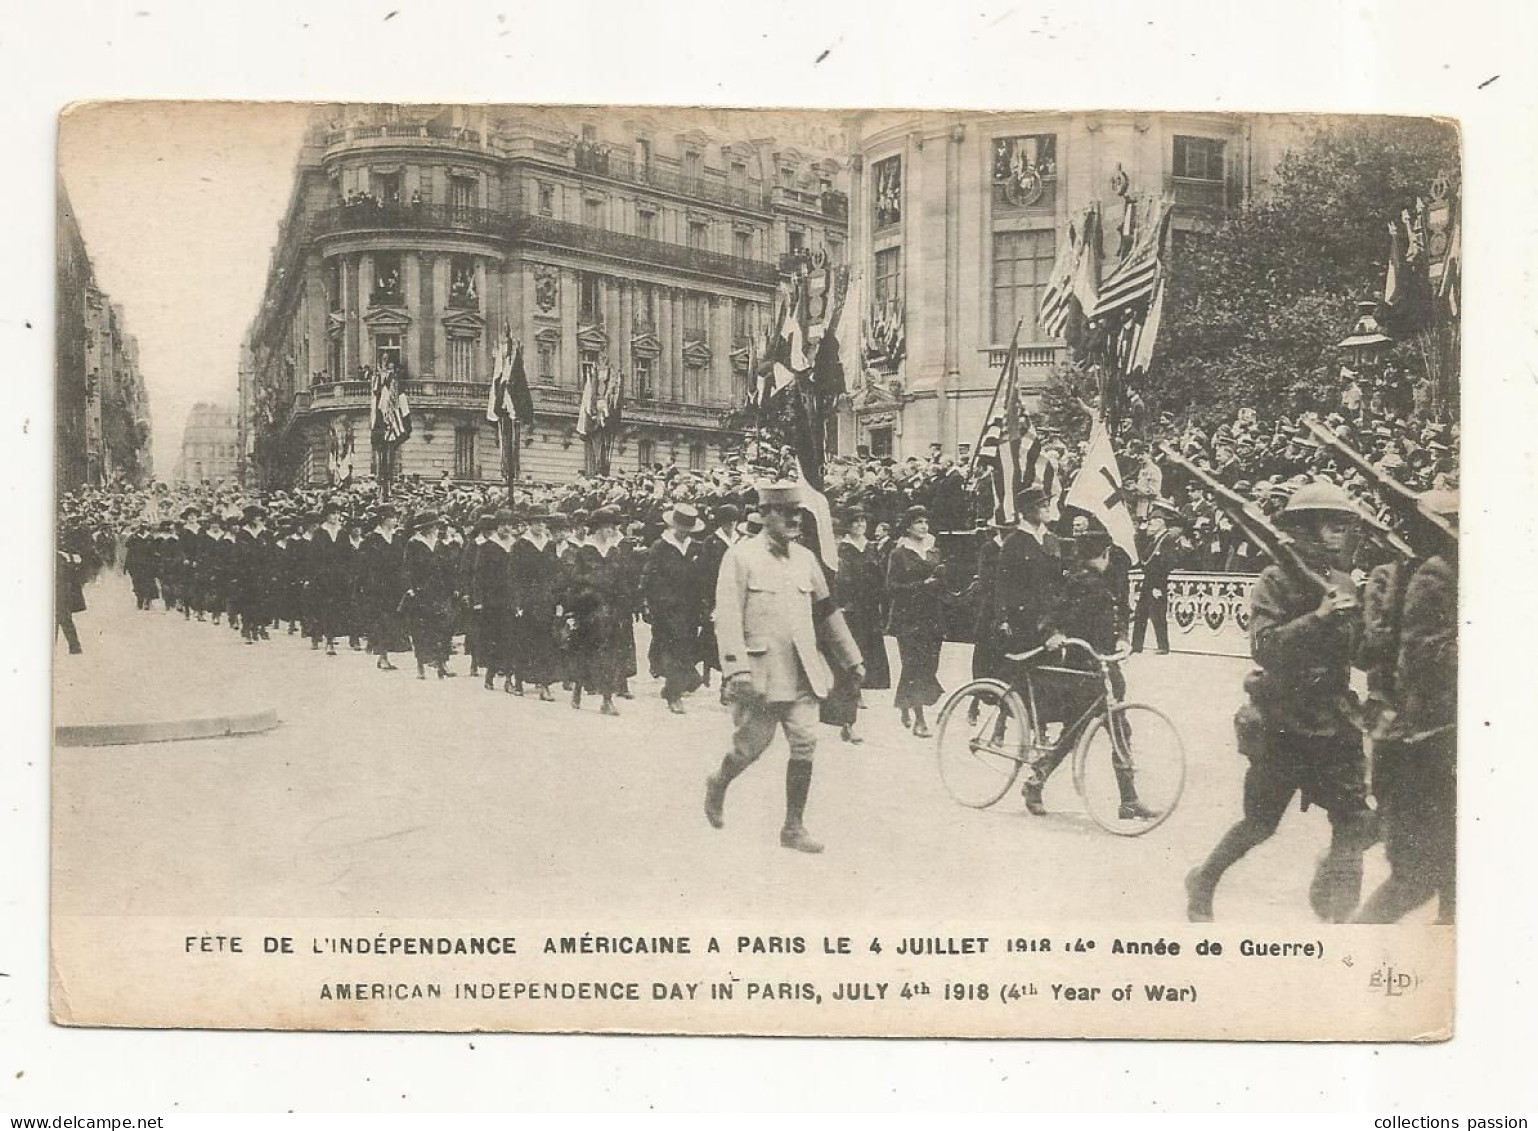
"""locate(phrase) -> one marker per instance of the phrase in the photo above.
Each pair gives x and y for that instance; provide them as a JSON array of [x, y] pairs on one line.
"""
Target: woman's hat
[[424, 521], [914, 514], [606, 517], [684, 517]]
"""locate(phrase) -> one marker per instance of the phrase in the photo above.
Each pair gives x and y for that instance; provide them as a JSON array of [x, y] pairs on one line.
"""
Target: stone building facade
[[101, 420], [210, 448], [955, 220], [648, 240]]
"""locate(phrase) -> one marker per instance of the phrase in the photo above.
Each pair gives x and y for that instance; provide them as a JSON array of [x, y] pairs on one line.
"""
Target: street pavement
[[382, 795]]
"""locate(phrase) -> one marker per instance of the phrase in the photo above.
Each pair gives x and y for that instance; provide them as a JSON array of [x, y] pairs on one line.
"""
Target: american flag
[[1132, 280], [389, 411]]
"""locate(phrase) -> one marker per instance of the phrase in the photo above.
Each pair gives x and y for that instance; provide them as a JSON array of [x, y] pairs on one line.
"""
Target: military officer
[[771, 601]]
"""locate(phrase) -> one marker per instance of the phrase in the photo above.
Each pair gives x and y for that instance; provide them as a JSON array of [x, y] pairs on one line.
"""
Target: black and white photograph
[[613, 560]]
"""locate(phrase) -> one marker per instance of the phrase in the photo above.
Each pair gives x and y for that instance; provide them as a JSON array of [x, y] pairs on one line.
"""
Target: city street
[[382, 795]]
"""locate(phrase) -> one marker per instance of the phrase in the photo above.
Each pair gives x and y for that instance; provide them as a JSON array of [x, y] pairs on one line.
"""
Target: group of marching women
[[540, 598]]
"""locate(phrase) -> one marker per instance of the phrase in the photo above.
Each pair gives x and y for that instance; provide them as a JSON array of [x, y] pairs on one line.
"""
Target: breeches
[[754, 725]]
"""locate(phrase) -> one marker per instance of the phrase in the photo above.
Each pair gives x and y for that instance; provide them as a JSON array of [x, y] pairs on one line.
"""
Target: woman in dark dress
[[913, 591], [427, 598], [598, 613], [384, 564], [859, 589]]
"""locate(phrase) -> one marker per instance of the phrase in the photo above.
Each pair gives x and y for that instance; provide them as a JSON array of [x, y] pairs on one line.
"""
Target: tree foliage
[[1254, 308]]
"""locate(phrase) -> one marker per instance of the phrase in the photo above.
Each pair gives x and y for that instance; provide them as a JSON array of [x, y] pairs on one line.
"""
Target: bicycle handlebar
[[1073, 642]]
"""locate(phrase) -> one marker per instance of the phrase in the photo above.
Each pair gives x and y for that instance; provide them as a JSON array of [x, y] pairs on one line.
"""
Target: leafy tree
[[1254, 309]]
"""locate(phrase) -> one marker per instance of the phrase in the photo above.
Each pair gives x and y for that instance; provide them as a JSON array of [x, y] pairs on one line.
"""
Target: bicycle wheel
[[984, 734], [1130, 769]]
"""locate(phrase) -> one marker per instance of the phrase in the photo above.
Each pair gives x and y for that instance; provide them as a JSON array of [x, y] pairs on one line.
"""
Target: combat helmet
[[1317, 498]]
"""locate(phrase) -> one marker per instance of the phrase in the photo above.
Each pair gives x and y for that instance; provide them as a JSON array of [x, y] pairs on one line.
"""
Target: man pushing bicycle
[[1087, 609]]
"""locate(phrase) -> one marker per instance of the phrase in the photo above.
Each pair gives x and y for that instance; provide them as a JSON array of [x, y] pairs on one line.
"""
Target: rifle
[[1278, 545], [1428, 533]]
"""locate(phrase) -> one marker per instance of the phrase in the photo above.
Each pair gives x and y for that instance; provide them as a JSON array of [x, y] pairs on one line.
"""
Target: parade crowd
[[544, 585]]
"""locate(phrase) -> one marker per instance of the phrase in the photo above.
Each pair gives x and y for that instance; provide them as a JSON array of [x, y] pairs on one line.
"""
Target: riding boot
[[715, 787], [798, 784]]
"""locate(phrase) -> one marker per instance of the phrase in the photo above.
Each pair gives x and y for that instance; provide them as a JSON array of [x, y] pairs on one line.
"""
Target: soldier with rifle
[[1298, 729], [1411, 639]]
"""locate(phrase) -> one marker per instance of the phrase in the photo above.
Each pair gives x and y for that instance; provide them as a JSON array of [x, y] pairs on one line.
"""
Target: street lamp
[[1364, 345]]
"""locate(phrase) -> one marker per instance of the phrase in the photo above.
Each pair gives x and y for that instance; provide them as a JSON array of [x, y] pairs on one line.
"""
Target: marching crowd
[[544, 585]]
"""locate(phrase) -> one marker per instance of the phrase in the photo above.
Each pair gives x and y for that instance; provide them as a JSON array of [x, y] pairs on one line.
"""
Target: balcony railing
[[404, 131], [829, 203], [622, 245], [1194, 193], [1031, 356], [540, 229], [472, 393], [372, 216], [620, 166]]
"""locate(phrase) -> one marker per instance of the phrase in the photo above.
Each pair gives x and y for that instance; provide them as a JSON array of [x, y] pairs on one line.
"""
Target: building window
[[1025, 171], [787, 177], [643, 379], [334, 358], [589, 309], [464, 452], [587, 367], [645, 449], [462, 292], [592, 212], [797, 241], [547, 200], [742, 245], [387, 281], [739, 321], [694, 317], [880, 442], [888, 276], [697, 454], [887, 177], [386, 187], [646, 224], [387, 351], [646, 309], [590, 134], [694, 384], [462, 359], [699, 235], [1022, 263], [691, 166], [1198, 158], [333, 285], [545, 367], [644, 156], [462, 192]]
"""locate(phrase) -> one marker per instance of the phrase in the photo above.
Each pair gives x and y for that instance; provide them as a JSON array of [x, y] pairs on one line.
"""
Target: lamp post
[[1364, 345]]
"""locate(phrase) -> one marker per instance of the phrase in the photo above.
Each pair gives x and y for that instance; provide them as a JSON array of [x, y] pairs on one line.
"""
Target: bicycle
[[1129, 763]]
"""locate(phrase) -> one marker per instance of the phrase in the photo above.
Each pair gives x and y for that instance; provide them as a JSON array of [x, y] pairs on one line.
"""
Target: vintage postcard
[[687, 570]]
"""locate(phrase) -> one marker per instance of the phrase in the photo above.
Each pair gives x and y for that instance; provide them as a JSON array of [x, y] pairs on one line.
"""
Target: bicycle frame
[[1039, 747]]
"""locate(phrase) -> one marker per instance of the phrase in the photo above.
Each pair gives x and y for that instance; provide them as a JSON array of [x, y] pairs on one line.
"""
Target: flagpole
[[1009, 362]]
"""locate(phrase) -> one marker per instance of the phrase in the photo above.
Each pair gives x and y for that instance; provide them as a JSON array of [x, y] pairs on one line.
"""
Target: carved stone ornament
[[547, 288], [1120, 183]]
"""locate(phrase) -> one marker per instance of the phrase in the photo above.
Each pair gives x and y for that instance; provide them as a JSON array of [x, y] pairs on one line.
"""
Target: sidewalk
[[144, 678]]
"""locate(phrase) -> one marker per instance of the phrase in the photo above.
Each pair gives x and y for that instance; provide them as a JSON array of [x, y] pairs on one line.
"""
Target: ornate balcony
[[372, 216], [1217, 196], [625, 248], [1040, 356], [618, 166], [829, 204], [384, 135]]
